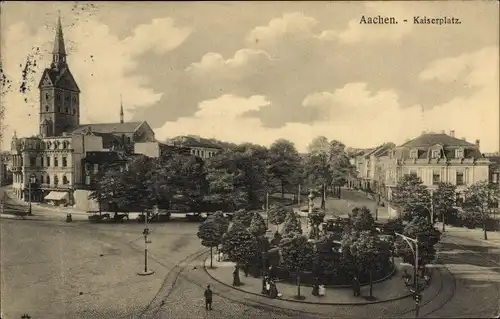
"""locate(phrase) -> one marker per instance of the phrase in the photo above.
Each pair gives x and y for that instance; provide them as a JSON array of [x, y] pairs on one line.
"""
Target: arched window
[[65, 180], [46, 108], [48, 179], [66, 110], [65, 144], [74, 111], [56, 180]]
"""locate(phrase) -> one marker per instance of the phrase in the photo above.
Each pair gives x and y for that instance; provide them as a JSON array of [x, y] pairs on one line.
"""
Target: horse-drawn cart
[[96, 216]]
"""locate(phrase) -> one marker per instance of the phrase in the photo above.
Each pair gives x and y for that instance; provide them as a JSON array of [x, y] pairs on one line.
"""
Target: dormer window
[[459, 153], [413, 154], [436, 154]]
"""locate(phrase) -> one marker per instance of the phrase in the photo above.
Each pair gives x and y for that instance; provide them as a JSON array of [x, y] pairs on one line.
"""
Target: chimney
[[424, 132], [443, 132], [463, 138], [452, 133], [478, 143]]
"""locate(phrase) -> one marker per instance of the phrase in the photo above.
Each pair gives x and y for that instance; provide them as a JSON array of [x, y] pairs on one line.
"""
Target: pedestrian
[[208, 298], [355, 287], [236, 277], [315, 290], [321, 290]]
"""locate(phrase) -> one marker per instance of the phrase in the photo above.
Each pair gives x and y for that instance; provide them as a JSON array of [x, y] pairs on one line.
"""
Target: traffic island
[[391, 288]]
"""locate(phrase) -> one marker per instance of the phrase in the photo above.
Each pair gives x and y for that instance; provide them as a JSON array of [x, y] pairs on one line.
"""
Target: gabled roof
[[431, 139], [57, 78], [108, 128], [448, 144], [192, 141]]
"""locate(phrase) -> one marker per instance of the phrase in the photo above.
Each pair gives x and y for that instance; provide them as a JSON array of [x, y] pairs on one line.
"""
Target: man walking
[[208, 298]]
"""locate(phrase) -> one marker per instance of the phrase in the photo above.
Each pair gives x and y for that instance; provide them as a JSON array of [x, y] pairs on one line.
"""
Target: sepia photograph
[[249, 159]]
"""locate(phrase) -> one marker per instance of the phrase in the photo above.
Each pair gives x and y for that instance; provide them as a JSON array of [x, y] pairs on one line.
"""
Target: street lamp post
[[146, 232], [31, 180], [413, 241]]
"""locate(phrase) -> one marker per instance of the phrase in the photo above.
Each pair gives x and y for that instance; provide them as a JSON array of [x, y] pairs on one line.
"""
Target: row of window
[[59, 109], [436, 177], [203, 153], [64, 161], [18, 178], [58, 97], [459, 153]]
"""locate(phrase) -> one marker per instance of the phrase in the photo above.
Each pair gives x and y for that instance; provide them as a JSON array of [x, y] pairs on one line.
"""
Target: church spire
[[121, 109], [59, 52]]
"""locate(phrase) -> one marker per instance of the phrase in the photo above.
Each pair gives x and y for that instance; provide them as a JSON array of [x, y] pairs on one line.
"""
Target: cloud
[[474, 116], [213, 64], [293, 25], [361, 116], [100, 62]]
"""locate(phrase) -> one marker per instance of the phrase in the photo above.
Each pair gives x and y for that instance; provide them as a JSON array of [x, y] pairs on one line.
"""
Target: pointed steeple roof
[[121, 109], [59, 47], [59, 51]]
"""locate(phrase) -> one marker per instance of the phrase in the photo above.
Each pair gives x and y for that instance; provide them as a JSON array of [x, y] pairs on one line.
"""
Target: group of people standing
[[270, 288]]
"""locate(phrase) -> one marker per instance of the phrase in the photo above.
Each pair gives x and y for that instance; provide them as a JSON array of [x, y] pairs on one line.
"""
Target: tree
[[111, 187], [481, 199], [276, 215], [284, 164], [210, 234], [328, 165], [318, 169], [244, 217], [364, 249], [297, 255], [340, 165], [292, 224], [411, 197], [239, 244], [392, 226], [257, 225], [443, 201], [223, 178], [427, 236], [221, 221], [362, 219], [315, 219]]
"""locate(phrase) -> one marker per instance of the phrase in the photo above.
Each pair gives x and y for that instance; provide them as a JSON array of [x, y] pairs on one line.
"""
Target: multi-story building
[[49, 166], [198, 146], [5, 173], [433, 157], [370, 165], [436, 158]]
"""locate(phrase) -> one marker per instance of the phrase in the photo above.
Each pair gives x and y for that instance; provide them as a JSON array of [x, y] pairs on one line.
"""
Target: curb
[[303, 301]]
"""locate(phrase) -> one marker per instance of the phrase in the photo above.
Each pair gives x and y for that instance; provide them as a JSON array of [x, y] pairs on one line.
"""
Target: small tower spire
[[59, 51], [121, 109]]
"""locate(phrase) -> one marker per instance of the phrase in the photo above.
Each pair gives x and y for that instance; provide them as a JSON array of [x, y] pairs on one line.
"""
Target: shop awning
[[56, 196]]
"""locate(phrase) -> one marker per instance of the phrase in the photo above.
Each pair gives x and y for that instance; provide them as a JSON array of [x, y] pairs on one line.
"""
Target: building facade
[[51, 166], [198, 146], [433, 157]]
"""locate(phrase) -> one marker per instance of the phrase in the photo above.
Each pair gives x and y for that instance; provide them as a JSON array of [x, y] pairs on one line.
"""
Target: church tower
[[59, 93]]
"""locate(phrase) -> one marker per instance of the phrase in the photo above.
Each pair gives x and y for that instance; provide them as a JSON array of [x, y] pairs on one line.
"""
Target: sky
[[260, 71]]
